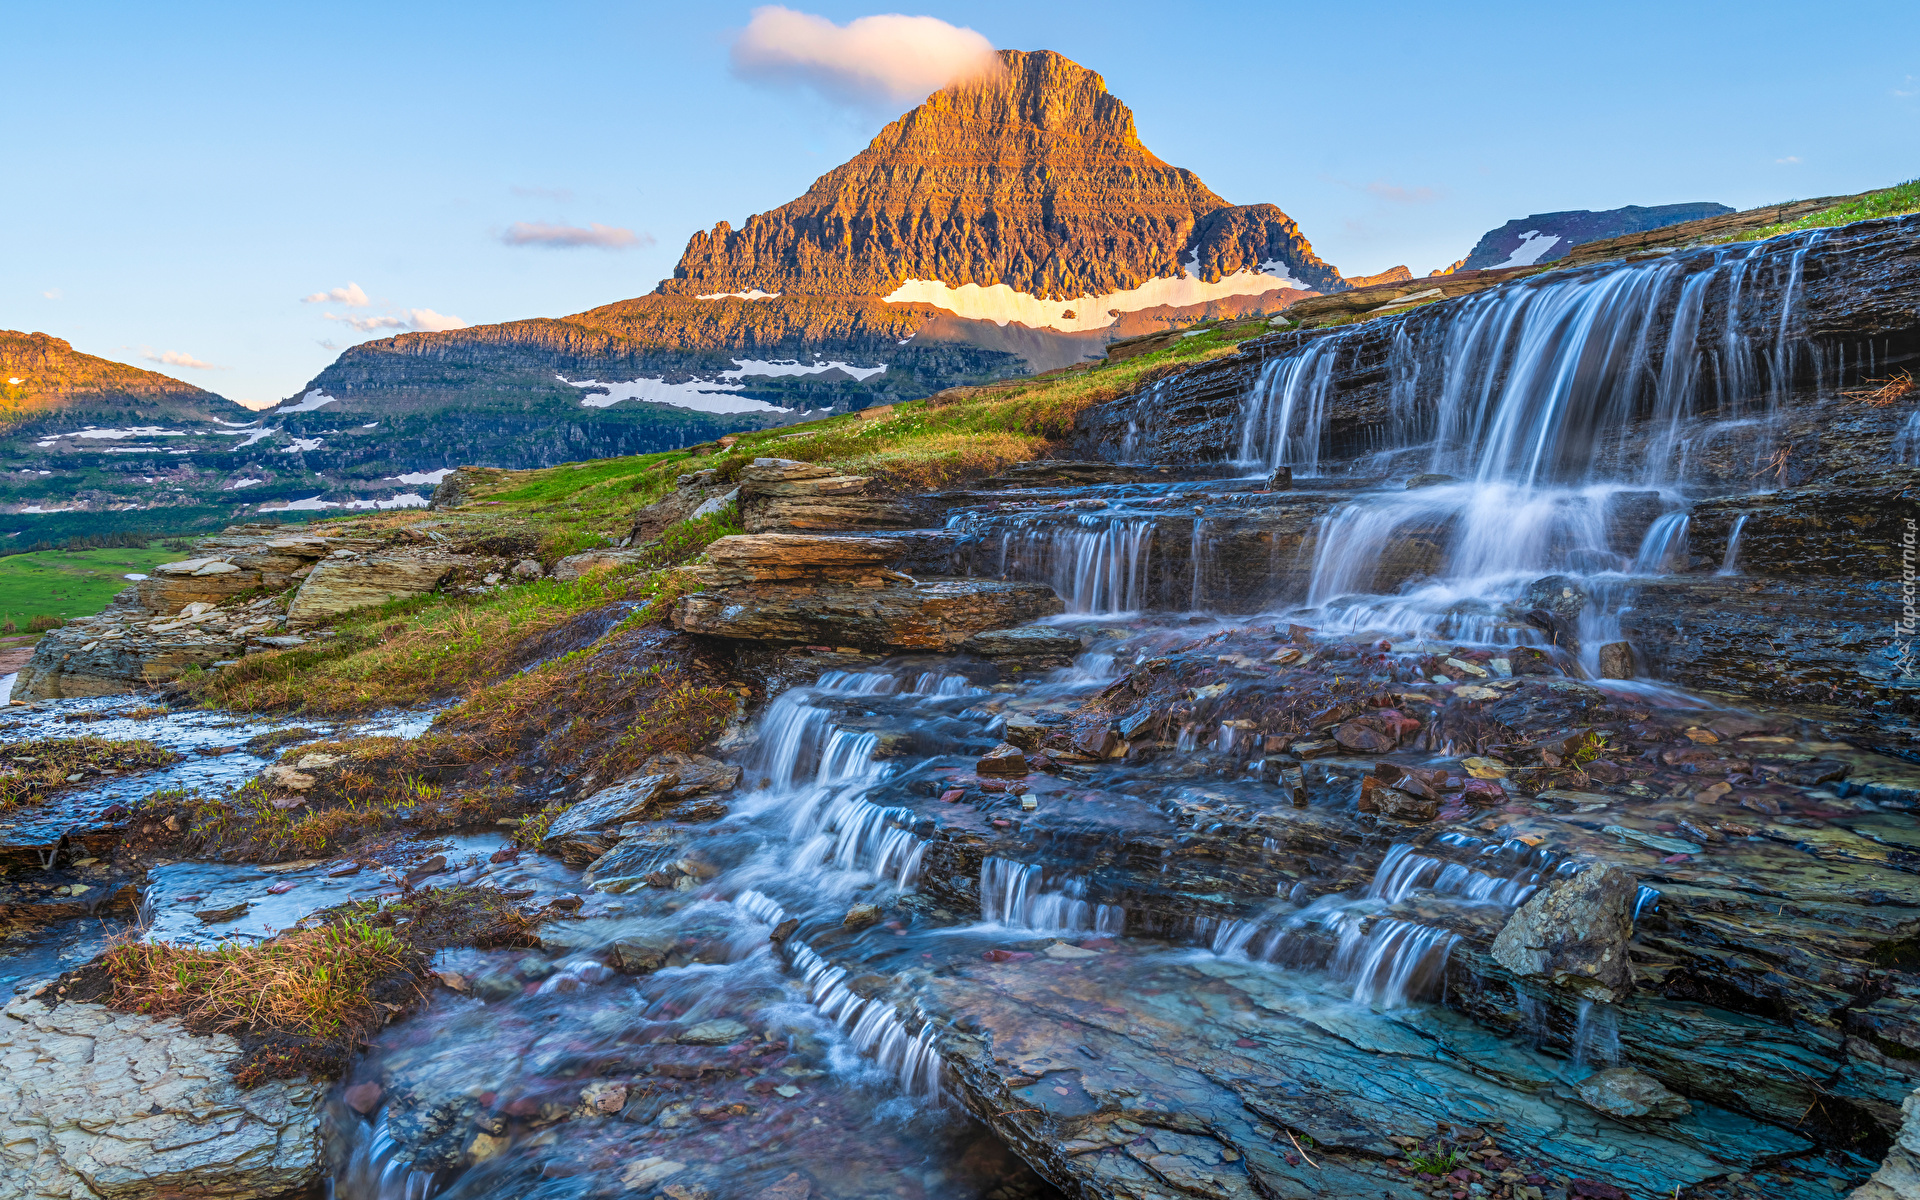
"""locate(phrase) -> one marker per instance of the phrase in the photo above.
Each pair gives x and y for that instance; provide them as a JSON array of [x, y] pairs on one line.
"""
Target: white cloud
[[173, 358], [877, 61], [605, 237], [406, 320], [53, 294], [1791, 158], [350, 295]]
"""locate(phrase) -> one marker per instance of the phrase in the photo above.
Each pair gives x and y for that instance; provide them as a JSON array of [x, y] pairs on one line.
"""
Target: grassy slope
[[1895, 201], [70, 583]]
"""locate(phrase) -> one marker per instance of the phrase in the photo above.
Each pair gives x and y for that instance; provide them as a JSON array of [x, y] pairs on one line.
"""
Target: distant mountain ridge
[[1544, 237], [43, 378], [1007, 225]]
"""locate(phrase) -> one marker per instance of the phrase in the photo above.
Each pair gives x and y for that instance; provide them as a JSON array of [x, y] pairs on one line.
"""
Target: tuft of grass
[[309, 982], [1435, 1162], [1896, 201], [30, 770]]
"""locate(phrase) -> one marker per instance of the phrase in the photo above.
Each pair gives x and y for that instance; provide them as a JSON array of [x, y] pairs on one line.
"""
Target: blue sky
[[183, 174]]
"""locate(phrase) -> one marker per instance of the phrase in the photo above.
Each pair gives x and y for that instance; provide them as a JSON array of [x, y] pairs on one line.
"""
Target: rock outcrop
[[840, 591], [778, 493], [101, 1103], [344, 582]]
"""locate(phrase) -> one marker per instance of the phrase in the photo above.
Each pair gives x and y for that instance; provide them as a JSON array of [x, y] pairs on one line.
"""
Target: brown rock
[[363, 1098], [1575, 932], [339, 586], [861, 915], [1004, 759], [1616, 661], [934, 614], [1364, 737]]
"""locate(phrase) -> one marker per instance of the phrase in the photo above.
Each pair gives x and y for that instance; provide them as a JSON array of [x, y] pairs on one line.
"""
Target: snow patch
[[1532, 245], [700, 395], [302, 444], [745, 367], [37, 511], [236, 424], [433, 477], [135, 577], [316, 504], [237, 484], [311, 401], [253, 437], [1000, 304], [749, 294]]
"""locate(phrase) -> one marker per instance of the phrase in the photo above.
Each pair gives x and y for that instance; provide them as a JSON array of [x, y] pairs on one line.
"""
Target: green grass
[[70, 583], [1898, 200]]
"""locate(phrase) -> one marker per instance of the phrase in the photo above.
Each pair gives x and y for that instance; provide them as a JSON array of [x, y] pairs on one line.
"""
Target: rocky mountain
[[1008, 225], [1544, 237], [45, 384]]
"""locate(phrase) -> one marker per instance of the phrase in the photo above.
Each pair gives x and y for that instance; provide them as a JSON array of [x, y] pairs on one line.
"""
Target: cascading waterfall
[[1098, 564], [874, 1028], [1015, 894], [1524, 397]]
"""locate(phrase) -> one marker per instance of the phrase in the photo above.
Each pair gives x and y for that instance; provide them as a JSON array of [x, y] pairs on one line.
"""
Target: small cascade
[[1098, 564], [1402, 872], [374, 1166], [875, 1030], [1663, 549], [1015, 894], [1730, 562], [1906, 443], [1596, 1038], [1392, 963]]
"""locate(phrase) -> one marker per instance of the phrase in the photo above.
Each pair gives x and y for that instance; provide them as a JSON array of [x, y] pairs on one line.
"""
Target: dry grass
[[309, 982], [30, 770], [1885, 393]]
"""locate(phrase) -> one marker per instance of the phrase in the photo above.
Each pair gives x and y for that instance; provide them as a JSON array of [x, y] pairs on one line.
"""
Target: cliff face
[[1036, 179], [1545, 237]]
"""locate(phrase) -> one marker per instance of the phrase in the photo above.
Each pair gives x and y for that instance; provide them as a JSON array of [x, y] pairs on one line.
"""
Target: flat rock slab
[[931, 615], [99, 1103], [341, 585], [1146, 1074], [1027, 639]]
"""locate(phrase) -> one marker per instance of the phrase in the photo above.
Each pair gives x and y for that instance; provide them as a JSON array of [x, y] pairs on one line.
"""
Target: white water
[[1015, 894]]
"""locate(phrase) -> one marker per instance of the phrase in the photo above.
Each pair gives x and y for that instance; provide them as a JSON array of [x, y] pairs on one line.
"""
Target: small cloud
[[1399, 195], [406, 320], [328, 344], [1791, 158], [1908, 90], [563, 195], [54, 294], [605, 237], [350, 295], [879, 61], [173, 358]]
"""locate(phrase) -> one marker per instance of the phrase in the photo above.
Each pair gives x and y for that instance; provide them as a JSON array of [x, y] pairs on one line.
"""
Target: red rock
[[1004, 759], [1593, 1189], [363, 1098], [281, 888], [952, 796], [1363, 737], [1007, 955]]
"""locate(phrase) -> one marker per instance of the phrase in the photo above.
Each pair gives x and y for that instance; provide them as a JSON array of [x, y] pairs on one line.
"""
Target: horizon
[[243, 258]]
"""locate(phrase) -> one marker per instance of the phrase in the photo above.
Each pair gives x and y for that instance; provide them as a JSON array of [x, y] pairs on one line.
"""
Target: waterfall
[[1014, 894], [1284, 424], [1906, 443], [1392, 963], [1664, 546], [874, 1028], [1098, 564], [1730, 562]]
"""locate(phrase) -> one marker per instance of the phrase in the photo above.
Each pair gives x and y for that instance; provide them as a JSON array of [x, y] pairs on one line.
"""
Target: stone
[[289, 778], [339, 586], [574, 566], [927, 615], [1025, 640], [1898, 1176], [861, 915], [722, 1032], [603, 1098], [1616, 661], [794, 1186], [363, 1098], [100, 1103], [1004, 759], [1625, 1092], [1025, 732], [792, 557], [527, 568], [643, 1173], [638, 954], [1394, 803], [1574, 932], [1364, 737], [580, 834], [1430, 479]]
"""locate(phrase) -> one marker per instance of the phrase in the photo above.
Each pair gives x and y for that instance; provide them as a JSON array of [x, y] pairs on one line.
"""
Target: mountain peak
[[1034, 178]]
